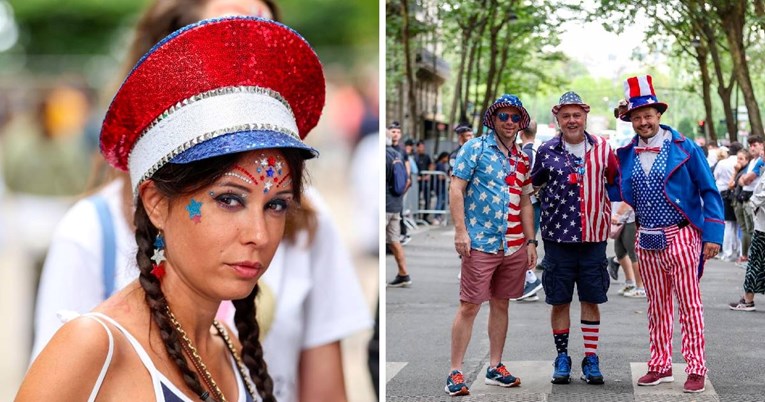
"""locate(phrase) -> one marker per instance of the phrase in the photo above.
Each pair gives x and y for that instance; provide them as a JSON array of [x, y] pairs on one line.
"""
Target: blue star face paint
[[195, 210]]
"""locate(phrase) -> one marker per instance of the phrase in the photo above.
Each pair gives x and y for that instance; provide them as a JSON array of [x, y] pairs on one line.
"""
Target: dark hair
[[409, 142], [442, 155], [755, 139], [734, 147], [164, 17], [173, 181], [420, 142], [462, 129], [621, 108]]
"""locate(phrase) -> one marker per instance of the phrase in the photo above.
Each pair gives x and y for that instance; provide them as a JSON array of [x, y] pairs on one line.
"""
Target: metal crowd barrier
[[430, 197]]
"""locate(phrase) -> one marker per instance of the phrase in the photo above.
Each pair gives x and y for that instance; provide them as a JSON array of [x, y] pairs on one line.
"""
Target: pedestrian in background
[[533, 284], [494, 235], [747, 181], [667, 180], [573, 170], [724, 172], [394, 199]]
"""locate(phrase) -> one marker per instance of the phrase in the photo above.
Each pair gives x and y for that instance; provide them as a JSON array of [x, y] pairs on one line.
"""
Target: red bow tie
[[647, 149]]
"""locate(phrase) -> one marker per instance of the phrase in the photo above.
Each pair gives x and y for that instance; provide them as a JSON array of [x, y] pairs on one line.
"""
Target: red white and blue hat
[[639, 93], [570, 98], [213, 88], [506, 100]]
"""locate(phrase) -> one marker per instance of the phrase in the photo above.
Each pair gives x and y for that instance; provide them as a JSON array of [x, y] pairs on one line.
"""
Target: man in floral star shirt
[[494, 232], [573, 170]]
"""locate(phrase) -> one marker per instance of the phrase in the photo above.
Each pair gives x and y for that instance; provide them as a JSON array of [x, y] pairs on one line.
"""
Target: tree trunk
[[701, 57], [413, 116], [723, 90], [503, 58], [491, 73], [733, 17]]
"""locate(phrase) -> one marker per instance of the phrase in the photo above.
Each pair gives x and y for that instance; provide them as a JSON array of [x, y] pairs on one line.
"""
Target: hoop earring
[[158, 268]]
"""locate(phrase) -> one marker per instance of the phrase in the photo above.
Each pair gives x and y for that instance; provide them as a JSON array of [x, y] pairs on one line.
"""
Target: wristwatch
[[532, 241]]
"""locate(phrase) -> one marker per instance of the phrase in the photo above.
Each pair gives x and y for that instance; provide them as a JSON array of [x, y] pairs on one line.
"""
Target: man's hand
[[462, 243], [531, 256], [710, 250]]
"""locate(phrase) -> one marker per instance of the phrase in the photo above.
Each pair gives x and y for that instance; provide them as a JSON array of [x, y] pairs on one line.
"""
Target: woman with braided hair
[[209, 125]]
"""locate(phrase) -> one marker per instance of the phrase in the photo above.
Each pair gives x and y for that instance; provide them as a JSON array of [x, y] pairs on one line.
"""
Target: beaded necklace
[[577, 165], [512, 160], [196, 360]]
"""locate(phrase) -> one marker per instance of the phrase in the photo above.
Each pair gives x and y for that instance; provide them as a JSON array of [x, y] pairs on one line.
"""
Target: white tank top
[[164, 389]]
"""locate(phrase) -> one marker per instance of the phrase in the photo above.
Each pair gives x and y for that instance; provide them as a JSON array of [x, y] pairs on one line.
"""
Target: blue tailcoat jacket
[[688, 185]]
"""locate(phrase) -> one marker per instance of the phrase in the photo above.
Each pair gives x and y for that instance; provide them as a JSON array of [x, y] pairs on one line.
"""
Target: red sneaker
[[694, 383], [655, 377]]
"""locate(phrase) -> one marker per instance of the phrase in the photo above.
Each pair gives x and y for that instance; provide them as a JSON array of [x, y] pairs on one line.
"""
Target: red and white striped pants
[[668, 271]]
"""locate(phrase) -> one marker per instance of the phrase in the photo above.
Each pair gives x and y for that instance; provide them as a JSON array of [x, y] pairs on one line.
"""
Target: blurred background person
[[349, 89], [724, 172]]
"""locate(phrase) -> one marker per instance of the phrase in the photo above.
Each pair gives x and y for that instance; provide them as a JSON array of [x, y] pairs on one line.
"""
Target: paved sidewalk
[[419, 322]]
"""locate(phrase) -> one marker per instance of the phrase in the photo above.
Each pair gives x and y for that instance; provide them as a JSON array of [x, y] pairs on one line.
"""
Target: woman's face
[[222, 238], [223, 8], [742, 158]]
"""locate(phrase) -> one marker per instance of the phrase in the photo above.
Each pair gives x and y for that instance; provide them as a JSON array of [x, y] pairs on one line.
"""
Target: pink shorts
[[486, 276]]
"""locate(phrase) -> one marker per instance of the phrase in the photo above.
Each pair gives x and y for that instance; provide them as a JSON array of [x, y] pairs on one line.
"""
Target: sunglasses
[[503, 117]]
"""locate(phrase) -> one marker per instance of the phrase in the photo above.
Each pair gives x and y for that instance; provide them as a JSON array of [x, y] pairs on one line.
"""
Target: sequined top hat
[[212, 88], [570, 98], [506, 100], [639, 92]]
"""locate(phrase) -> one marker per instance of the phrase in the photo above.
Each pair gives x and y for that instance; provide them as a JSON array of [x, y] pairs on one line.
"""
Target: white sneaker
[[635, 293], [626, 288]]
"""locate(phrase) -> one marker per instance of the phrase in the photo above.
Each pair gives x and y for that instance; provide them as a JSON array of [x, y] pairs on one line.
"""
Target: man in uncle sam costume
[[679, 213]]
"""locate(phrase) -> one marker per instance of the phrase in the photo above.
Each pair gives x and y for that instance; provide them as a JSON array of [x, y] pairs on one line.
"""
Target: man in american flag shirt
[[494, 235], [576, 171]]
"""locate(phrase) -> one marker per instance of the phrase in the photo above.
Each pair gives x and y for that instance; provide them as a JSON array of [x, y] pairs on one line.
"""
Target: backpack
[[397, 184]]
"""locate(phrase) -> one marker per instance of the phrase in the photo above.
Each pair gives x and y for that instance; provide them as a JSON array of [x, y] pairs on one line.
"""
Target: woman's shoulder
[[70, 364]]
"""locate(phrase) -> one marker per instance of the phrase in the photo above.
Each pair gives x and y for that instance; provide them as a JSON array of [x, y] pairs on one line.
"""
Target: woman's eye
[[229, 200], [278, 205]]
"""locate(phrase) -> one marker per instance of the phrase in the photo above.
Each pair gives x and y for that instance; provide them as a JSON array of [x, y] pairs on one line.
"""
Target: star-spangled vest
[[652, 209]]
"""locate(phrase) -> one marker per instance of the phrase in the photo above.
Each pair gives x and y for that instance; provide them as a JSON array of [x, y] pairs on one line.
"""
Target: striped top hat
[[639, 93], [213, 88], [506, 100]]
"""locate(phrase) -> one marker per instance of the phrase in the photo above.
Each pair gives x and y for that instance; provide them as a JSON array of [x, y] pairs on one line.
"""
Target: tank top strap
[[107, 361], [139, 350]]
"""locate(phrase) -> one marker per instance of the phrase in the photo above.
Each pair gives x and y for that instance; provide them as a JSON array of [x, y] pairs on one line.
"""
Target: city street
[[419, 320]]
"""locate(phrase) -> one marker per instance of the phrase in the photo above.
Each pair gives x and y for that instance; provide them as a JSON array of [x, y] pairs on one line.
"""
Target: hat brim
[[661, 107], [243, 141], [488, 118], [584, 106]]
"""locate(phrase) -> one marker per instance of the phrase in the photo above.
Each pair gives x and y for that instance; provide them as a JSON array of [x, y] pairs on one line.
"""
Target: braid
[[252, 351], [144, 235]]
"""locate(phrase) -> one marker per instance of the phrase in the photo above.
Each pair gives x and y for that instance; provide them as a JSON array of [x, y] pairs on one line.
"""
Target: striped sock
[[590, 333], [561, 340]]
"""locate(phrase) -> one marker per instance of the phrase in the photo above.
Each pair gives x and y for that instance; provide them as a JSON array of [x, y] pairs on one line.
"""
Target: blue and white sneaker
[[530, 290], [591, 370], [562, 371], [455, 384], [501, 377]]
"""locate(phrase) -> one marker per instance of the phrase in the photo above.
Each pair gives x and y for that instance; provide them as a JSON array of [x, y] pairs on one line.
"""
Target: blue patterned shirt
[[492, 207]]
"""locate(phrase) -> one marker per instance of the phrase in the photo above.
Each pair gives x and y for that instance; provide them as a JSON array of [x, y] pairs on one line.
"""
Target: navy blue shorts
[[583, 264]]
